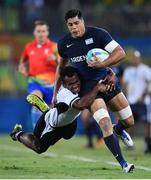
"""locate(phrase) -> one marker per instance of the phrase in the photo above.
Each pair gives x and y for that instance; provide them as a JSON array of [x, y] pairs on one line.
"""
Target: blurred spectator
[[136, 80], [119, 70], [38, 62], [33, 10]]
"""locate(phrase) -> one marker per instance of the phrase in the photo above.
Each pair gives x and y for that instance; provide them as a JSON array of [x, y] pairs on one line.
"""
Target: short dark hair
[[68, 71], [40, 22], [73, 13]]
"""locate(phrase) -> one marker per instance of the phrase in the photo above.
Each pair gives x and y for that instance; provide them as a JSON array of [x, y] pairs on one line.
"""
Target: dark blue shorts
[[87, 86], [47, 91], [139, 111]]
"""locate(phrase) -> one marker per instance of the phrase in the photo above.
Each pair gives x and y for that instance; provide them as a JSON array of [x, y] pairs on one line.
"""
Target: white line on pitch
[[71, 157]]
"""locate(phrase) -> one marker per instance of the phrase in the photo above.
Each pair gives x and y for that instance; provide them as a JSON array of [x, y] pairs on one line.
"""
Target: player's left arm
[[107, 43], [115, 56]]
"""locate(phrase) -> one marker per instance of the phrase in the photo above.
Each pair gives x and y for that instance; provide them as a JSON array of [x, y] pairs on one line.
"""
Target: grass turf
[[69, 160]]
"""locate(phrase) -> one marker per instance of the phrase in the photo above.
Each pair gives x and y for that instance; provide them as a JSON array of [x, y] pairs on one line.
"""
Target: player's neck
[[41, 42]]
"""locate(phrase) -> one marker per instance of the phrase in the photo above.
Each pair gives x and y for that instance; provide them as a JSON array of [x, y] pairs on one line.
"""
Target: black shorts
[[139, 111], [55, 134], [87, 86]]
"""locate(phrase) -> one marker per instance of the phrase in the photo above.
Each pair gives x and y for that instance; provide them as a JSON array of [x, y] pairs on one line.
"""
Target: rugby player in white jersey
[[60, 121]]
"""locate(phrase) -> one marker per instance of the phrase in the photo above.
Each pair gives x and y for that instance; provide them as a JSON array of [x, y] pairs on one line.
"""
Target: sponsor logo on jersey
[[46, 51], [32, 52], [78, 59], [89, 41]]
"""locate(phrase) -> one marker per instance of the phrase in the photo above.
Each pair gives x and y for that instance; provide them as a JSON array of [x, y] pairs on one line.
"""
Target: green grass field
[[69, 160]]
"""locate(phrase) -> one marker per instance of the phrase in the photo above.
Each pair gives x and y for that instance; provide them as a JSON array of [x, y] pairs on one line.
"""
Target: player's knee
[[103, 119], [68, 136], [40, 150], [126, 116], [100, 114]]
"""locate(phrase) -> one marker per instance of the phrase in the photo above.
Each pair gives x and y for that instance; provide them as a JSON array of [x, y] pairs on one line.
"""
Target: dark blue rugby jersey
[[75, 50]]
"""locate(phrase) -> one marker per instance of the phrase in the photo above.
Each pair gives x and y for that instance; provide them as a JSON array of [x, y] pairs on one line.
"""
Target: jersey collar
[[40, 45]]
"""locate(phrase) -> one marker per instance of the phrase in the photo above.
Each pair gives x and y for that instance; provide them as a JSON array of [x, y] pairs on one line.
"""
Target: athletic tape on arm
[[111, 46], [100, 114], [125, 113]]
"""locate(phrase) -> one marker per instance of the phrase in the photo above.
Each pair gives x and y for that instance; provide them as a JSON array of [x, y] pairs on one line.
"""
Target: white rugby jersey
[[54, 118], [137, 79]]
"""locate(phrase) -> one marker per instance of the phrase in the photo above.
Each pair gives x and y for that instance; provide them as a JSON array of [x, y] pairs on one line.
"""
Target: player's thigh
[[49, 138], [68, 131], [98, 104], [40, 126], [118, 102]]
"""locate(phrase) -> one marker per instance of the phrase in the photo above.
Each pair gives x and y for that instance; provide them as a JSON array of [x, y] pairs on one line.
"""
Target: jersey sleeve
[[104, 36], [66, 96], [106, 40], [61, 50]]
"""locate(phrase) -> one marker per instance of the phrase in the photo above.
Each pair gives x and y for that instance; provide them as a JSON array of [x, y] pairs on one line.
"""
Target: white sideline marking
[[7, 147], [72, 157]]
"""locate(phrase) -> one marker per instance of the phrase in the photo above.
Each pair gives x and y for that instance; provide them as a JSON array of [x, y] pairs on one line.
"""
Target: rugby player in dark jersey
[[73, 48]]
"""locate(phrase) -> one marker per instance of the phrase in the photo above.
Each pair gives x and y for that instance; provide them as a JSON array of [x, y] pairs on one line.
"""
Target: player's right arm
[[22, 66], [57, 84], [85, 101]]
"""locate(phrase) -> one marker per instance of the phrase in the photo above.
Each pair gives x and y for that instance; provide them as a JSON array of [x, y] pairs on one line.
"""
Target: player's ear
[[82, 20], [47, 33], [34, 32]]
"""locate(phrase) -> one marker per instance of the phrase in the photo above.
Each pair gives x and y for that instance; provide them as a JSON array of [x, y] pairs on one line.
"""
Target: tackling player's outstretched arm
[[85, 101], [71, 80], [61, 64]]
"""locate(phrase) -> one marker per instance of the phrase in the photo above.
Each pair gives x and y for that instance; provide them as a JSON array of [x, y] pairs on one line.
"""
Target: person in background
[[136, 84], [38, 63]]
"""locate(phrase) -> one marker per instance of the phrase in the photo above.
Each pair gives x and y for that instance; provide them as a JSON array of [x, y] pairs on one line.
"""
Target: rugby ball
[[100, 53]]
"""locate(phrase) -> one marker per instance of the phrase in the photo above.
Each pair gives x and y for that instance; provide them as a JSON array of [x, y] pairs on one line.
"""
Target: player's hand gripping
[[96, 63], [110, 80], [101, 87]]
